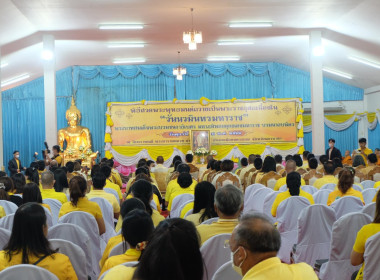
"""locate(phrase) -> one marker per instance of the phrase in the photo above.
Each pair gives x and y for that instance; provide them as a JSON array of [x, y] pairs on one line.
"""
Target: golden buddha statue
[[78, 138]]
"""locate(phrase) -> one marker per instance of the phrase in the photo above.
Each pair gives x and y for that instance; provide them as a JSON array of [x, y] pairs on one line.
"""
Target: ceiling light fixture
[[129, 60], [15, 80], [338, 73], [179, 71], [192, 37], [3, 64], [126, 45], [223, 58], [365, 61], [120, 26], [250, 24], [319, 50], [234, 43], [47, 55]]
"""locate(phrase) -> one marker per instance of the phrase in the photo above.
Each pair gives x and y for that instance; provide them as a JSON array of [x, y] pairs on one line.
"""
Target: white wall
[[372, 96]]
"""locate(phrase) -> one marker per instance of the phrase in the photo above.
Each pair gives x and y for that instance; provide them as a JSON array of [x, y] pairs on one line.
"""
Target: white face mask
[[331, 145], [17, 156], [236, 268]]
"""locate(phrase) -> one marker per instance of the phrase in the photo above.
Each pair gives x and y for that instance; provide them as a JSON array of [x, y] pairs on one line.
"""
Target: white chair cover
[[329, 186], [309, 189], [314, 233], [226, 272], [321, 196], [376, 177], [283, 188], [210, 221], [370, 209], [112, 191], [7, 222], [87, 222], [215, 254], [177, 202], [4, 237], [342, 240], [107, 211], [27, 271], [9, 207], [287, 217], [252, 188], [267, 206], [189, 213], [357, 187], [55, 206], [127, 264], [153, 204], [75, 254], [79, 237], [368, 195], [255, 201], [312, 180], [271, 183], [371, 258], [119, 249], [347, 204], [179, 210], [49, 219], [367, 184]]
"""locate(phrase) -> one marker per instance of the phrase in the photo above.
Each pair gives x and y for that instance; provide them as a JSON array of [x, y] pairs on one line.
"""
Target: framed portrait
[[200, 139]]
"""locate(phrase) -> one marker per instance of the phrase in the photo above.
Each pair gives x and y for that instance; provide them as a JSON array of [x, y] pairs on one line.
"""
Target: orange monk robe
[[347, 160]]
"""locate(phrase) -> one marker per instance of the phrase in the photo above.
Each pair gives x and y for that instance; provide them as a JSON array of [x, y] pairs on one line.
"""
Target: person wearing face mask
[[333, 152], [254, 244], [14, 165]]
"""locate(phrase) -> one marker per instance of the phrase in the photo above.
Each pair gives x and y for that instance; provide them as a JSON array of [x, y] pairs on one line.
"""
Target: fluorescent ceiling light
[[234, 43], [15, 80], [338, 73], [129, 60], [365, 61], [126, 45], [120, 26], [3, 64], [250, 24], [47, 55], [223, 58]]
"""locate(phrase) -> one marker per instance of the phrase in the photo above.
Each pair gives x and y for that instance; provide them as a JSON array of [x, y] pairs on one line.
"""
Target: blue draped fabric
[[308, 142], [374, 138]]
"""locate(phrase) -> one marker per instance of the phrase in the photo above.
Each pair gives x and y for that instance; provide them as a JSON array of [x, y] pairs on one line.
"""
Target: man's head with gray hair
[[47, 179], [54, 163], [229, 202]]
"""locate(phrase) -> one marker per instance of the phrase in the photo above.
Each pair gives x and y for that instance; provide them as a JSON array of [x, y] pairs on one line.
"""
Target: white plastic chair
[[283, 188], [75, 254], [370, 209], [4, 237], [347, 204], [252, 188], [376, 177], [321, 196], [287, 217], [215, 254], [357, 187], [177, 202], [79, 237], [153, 204], [27, 271], [371, 258], [314, 233], [267, 206], [343, 238], [226, 272], [9, 207], [210, 221], [112, 191], [329, 186], [7, 222], [367, 184], [49, 218], [178, 211], [255, 201], [368, 195], [107, 211], [55, 206], [119, 249], [309, 189]]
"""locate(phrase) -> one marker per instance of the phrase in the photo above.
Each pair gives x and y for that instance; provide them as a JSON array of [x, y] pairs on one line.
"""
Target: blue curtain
[[307, 139], [374, 138]]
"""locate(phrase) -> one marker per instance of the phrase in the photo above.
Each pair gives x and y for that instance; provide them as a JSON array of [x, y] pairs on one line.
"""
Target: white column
[[49, 90], [1, 124], [316, 80], [362, 126]]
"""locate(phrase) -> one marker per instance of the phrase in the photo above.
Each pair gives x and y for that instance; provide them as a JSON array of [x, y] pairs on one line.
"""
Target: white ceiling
[[349, 27]]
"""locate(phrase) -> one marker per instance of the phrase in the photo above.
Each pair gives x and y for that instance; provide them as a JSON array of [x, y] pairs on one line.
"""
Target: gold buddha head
[[73, 114]]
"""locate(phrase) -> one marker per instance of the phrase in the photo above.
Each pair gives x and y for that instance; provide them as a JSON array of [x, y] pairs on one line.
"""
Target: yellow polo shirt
[[186, 209], [272, 268], [327, 179], [116, 178], [120, 272], [2, 212], [108, 196], [338, 194], [282, 181], [366, 152], [284, 195], [112, 242], [173, 186], [178, 192], [219, 227], [83, 205], [51, 193], [115, 187], [361, 238], [375, 186], [131, 255], [194, 218], [57, 264]]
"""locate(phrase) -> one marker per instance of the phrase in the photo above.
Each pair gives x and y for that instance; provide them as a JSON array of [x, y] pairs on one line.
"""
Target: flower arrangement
[[213, 153], [190, 152], [201, 151], [70, 152], [82, 156], [88, 152], [81, 148]]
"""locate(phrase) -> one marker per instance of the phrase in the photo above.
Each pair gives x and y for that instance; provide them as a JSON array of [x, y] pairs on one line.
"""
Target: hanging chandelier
[[179, 71], [192, 37]]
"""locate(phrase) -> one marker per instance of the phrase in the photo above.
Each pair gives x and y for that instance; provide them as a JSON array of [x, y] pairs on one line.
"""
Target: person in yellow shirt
[[184, 180], [79, 202], [229, 203], [28, 244], [32, 193], [328, 178], [173, 185], [254, 245], [346, 180], [269, 165], [56, 155], [203, 205], [364, 233], [293, 182], [8, 185], [377, 153], [305, 161], [106, 170], [251, 159], [363, 150], [48, 191], [290, 166], [137, 228]]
